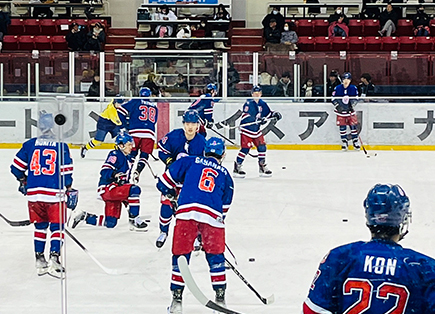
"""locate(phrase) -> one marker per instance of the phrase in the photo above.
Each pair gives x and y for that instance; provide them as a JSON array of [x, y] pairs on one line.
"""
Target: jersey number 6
[[206, 182]]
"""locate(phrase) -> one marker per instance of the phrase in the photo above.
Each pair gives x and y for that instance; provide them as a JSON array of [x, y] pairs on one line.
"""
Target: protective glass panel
[[240, 74], [86, 74]]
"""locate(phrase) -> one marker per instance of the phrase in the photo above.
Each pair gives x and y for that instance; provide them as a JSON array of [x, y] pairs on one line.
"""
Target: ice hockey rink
[[287, 223]]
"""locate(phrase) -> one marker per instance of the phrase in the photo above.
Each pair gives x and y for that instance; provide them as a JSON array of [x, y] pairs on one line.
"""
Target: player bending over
[[44, 168], [255, 111], [175, 145], [202, 206], [378, 276], [115, 190], [205, 105]]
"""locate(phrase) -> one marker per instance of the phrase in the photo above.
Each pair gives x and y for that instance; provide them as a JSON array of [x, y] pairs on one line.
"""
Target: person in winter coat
[[421, 22], [388, 20]]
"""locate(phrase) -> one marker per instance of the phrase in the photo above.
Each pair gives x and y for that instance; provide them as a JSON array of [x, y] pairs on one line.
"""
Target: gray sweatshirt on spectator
[[290, 36]]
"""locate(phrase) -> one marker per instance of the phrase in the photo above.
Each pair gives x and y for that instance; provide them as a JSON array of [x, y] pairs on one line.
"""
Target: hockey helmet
[[45, 121], [211, 87], [191, 116], [119, 99], [123, 138], [347, 75], [256, 88], [214, 147], [145, 92]]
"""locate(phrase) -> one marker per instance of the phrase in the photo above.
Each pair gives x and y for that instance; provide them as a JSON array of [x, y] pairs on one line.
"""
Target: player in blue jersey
[[256, 112], [176, 144], [115, 190], [378, 276], [143, 116], [205, 105], [44, 169], [344, 99], [111, 120], [203, 203]]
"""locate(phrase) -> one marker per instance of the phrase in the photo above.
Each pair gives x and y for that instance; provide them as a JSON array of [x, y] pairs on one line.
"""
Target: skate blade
[[241, 176]]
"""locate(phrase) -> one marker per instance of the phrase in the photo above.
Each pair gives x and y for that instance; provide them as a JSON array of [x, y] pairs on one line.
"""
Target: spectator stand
[[407, 8], [302, 10], [23, 8]]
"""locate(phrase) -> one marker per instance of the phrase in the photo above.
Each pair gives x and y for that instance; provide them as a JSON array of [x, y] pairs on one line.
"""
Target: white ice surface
[[286, 222]]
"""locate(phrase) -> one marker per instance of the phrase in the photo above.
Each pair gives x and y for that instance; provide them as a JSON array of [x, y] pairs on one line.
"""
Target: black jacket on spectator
[[369, 12], [366, 90], [155, 90], [279, 18], [272, 35], [76, 41], [385, 16], [421, 19], [330, 86], [335, 17], [5, 21]]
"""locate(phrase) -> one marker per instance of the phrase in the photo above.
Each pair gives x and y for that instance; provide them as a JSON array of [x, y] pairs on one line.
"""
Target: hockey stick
[[197, 293], [155, 158], [266, 301], [227, 139], [368, 155], [107, 270], [20, 223], [151, 169], [246, 124], [232, 254]]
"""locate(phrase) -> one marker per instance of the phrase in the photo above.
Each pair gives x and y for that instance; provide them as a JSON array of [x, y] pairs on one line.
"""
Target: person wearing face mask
[[307, 89], [289, 38], [277, 16], [338, 24], [421, 22], [165, 14], [388, 20]]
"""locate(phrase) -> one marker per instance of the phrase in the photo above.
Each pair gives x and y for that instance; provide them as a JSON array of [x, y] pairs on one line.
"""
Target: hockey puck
[[283, 167], [251, 259], [345, 220]]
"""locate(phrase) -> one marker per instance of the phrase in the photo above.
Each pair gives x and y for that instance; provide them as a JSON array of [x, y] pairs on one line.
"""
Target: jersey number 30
[[50, 162], [206, 183]]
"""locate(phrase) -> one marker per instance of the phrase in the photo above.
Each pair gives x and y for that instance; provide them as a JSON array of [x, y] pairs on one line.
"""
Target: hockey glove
[[209, 124], [168, 161], [72, 198], [23, 185], [277, 115], [261, 121], [121, 178]]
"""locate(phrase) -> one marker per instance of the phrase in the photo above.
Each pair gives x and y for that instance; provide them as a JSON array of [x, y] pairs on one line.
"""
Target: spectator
[[76, 38], [284, 87], [313, 10], [273, 36], [307, 88], [338, 24], [183, 32], [5, 21], [289, 38], [150, 83], [369, 12], [233, 79], [181, 83], [388, 20], [165, 14], [275, 15], [421, 22], [366, 87], [95, 38], [94, 89], [219, 30], [39, 12], [332, 82]]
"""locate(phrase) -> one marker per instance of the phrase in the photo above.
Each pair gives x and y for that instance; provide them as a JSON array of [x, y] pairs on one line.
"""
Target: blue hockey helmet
[[45, 121], [211, 87], [145, 92], [191, 115], [387, 205], [120, 99], [123, 138], [347, 75], [214, 147], [256, 88]]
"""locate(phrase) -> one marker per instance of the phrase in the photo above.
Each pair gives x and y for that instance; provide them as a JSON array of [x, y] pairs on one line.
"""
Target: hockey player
[[204, 105], [344, 99], [111, 120], [143, 116], [257, 112], [44, 168], [176, 144], [115, 190], [202, 206], [378, 276]]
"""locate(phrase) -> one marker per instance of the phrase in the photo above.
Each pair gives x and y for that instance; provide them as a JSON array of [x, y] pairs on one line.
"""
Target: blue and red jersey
[[143, 118], [378, 276], [204, 105], [348, 98], [116, 163], [49, 168], [207, 190], [253, 111]]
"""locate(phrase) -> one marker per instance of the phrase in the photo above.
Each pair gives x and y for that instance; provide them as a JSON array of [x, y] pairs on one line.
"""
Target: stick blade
[[269, 300]]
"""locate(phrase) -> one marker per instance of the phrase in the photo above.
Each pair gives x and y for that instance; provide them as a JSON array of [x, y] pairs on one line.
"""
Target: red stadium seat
[[306, 43], [83, 22], [26, 42], [48, 27], [404, 28], [338, 43], [305, 28], [432, 26], [323, 44], [390, 43], [356, 43], [42, 42], [59, 43], [406, 43], [423, 43], [320, 27], [32, 27], [373, 43], [93, 21], [16, 27], [63, 26], [10, 42], [371, 27], [356, 27]]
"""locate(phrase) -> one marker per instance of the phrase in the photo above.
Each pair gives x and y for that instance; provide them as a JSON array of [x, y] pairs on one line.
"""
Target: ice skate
[[135, 177], [344, 146], [176, 307], [356, 145], [41, 264], [81, 216], [161, 239], [238, 172], [83, 151], [264, 171], [220, 298], [137, 224], [55, 268]]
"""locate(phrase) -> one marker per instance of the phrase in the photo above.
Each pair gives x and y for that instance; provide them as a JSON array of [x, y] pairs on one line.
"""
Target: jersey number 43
[[50, 162]]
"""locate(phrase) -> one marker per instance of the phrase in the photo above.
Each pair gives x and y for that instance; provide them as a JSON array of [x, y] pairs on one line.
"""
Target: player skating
[[255, 111], [205, 105], [175, 145], [344, 99], [44, 168], [111, 120], [143, 116], [202, 206], [378, 276], [115, 190]]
